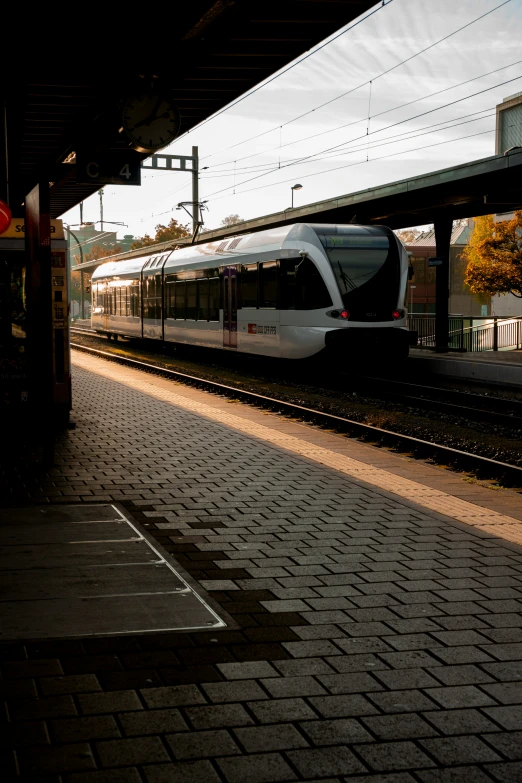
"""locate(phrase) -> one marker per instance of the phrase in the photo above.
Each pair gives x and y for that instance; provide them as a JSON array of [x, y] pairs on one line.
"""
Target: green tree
[[174, 230], [494, 256]]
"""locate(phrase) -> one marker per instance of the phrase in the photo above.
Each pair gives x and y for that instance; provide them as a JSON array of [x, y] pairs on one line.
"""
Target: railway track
[[505, 413], [483, 467], [466, 405]]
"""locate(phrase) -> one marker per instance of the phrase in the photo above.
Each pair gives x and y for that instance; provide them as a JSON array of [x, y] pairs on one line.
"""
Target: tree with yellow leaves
[[494, 256], [174, 230]]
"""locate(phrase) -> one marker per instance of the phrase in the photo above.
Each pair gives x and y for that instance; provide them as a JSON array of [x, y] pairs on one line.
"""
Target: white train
[[290, 292]]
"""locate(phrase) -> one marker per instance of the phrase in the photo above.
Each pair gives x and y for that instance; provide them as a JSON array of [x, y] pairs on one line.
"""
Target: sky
[[258, 148]]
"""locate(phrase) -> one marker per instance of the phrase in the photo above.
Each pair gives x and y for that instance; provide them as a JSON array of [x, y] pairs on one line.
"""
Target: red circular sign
[[5, 216]]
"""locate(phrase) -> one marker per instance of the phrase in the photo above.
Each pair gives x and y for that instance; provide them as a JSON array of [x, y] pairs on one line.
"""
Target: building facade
[[421, 288]]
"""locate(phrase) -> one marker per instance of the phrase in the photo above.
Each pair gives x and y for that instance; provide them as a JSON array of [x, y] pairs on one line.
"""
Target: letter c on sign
[[93, 170]]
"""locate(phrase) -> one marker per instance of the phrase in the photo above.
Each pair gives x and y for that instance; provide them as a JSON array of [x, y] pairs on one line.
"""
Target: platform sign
[[437, 261], [116, 167], [17, 229]]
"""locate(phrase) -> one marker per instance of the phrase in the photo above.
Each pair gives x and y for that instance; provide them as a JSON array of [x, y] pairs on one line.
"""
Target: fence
[[471, 333]]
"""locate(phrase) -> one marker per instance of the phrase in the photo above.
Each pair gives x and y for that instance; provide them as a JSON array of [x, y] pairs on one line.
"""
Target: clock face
[[151, 121]]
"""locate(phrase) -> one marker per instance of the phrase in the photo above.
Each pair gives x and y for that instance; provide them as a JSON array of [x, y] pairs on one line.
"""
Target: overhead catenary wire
[[269, 167], [374, 116], [360, 163], [379, 130], [347, 92]]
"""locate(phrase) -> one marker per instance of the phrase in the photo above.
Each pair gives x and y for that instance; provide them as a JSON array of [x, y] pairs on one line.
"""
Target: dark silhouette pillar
[[39, 316], [443, 228]]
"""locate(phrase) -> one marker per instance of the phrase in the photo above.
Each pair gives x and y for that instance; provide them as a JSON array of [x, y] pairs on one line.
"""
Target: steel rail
[[465, 411], [459, 407], [463, 459], [450, 394]]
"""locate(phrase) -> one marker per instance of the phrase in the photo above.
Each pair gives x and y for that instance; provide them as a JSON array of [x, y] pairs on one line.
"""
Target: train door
[[230, 307], [106, 303]]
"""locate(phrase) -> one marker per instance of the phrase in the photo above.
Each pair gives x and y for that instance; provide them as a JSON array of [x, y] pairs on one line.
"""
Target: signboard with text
[[116, 167], [17, 229]]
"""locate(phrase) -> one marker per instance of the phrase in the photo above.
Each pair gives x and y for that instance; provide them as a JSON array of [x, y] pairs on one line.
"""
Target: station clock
[[150, 120]]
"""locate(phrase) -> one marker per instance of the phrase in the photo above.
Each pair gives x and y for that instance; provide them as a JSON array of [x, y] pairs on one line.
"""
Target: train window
[[268, 284], [355, 260], [192, 300], [302, 287], [152, 296], [134, 293], [179, 293], [249, 285], [203, 299], [288, 286], [170, 307], [213, 299]]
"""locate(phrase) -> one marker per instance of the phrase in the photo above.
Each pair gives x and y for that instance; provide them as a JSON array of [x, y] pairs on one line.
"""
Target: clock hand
[[152, 115]]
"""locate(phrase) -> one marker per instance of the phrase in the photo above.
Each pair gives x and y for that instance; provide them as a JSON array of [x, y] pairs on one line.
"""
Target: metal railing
[[471, 333]]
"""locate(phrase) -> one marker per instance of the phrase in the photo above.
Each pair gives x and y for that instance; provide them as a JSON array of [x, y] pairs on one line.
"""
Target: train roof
[[232, 250]]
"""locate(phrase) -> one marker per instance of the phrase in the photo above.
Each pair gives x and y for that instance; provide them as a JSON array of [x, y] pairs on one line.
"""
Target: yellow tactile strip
[[498, 525]]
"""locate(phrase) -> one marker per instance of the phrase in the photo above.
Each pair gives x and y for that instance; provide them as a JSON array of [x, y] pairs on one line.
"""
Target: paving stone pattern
[[373, 641]]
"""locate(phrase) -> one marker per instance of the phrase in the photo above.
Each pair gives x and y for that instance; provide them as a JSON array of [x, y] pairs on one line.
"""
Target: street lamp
[[295, 187]]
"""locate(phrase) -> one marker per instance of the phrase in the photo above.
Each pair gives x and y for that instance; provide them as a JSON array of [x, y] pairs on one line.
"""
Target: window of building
[[419, 268]]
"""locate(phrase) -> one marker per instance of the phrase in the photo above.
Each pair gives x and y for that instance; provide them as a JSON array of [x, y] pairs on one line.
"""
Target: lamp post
[[295, 187]]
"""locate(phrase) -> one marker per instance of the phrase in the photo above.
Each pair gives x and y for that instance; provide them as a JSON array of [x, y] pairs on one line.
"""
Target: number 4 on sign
[[126, 172]]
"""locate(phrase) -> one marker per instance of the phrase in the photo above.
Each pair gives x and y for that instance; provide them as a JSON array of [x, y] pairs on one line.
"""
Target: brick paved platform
[[88, 570], [378, 604]]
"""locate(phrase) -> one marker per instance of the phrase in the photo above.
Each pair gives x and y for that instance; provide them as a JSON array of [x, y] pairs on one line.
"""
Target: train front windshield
[[367, 272]]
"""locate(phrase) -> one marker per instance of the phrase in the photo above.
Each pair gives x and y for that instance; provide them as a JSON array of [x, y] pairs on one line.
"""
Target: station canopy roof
[[71, 76]]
